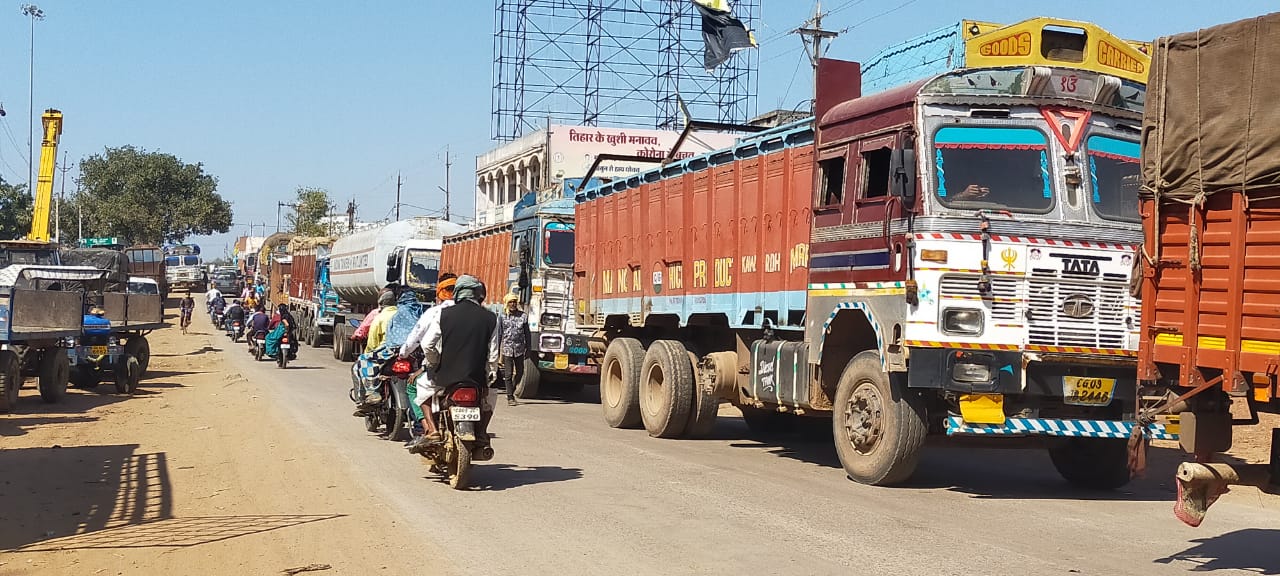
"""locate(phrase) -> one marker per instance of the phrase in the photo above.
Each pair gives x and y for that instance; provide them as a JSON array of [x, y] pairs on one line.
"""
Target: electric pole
[[35, 13], [448, 163], [398, 196], [812, 34], [57, 206]]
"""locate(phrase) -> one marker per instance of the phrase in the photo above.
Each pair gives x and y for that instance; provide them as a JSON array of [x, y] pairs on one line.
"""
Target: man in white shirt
[[424, 385]]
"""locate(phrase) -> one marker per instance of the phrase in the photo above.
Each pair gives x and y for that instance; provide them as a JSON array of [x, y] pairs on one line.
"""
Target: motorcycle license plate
[[285, 346], [1080, 391], [465, 414], [98, 350]]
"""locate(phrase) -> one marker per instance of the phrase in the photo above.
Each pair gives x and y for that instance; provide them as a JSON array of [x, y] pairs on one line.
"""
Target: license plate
[[562, 361], [1081, 391], [98, 350], [285, 346], [465, 414]]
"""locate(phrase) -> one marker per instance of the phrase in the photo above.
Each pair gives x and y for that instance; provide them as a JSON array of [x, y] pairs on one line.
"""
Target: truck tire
[[528, 385], [337, 344], [620, 383], [666, 389], [139, 348], [879, 428], [128, 374], [348, 351], [1091, 463], [55, 371], [10, 380]]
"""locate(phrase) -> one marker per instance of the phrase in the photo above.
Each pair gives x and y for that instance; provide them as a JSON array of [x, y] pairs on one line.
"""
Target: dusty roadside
[[194, 475]]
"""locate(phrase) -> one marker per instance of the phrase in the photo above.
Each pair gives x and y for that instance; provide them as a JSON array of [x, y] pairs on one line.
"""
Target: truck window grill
[[1049, 323]]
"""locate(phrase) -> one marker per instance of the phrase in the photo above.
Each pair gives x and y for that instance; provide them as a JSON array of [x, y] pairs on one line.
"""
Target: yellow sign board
[[1057, 43]]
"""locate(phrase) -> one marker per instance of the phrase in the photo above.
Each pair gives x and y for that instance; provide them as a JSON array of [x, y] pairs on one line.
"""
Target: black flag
[[723, 33]]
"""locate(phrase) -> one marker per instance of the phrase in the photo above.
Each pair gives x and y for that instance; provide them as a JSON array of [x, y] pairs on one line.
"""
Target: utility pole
[[812, 34], [448, 163], [57, 206], [280, 205], [398, 196], [79, 214]]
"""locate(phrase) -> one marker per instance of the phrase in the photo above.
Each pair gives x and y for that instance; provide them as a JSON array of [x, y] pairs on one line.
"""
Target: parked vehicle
[[312, 299], [884, 264], [533, 256], [184, 269], [147, 261], [141, 285], [361, 264], [1211, 212], [227, 281], [114, 343]]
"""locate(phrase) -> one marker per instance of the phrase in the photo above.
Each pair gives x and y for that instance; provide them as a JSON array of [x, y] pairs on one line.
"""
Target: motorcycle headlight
[[967, 321]]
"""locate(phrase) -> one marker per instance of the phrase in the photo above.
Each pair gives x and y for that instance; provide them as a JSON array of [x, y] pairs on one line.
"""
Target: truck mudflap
[[956, 426]]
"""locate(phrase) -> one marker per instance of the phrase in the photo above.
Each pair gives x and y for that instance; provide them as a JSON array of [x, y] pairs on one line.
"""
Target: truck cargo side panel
[[1226, 315], [742, 228], [485, 256]]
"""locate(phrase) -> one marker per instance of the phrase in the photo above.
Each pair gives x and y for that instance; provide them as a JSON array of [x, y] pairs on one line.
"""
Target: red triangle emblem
[[1074, 120]]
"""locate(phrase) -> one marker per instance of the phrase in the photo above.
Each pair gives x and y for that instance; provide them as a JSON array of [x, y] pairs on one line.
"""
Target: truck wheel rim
[[653, 383], [863, 418], [613, 384]]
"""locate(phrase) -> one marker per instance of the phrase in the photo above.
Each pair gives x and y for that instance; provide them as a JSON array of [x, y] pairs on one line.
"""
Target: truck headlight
[[971, 372], [549, 320], [968, 321]]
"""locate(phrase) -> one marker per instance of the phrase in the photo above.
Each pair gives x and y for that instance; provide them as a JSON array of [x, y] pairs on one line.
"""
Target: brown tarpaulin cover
[[1212, 116]]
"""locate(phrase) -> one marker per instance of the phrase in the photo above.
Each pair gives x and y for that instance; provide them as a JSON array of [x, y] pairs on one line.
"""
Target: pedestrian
[[513, 335]]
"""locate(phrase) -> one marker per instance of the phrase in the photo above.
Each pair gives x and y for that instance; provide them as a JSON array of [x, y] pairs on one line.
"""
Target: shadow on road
[[178, 532], [1004, 472], [158, 374], [204, 350], [18, 425], [499, 477], [57, 492], [1250, 550]]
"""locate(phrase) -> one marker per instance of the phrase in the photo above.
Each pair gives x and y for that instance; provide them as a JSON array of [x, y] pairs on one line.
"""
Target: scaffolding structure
[[614, 63]]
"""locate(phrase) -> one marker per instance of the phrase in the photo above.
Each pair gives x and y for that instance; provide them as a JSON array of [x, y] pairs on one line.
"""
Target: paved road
[[568, 495]]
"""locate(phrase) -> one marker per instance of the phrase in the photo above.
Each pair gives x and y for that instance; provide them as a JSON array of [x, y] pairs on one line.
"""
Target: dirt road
[[198, 473], [226, 466]]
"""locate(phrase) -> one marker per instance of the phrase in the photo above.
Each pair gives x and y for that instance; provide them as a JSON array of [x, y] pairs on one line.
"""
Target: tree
[[146, 197], [15, 211], [310, 207]]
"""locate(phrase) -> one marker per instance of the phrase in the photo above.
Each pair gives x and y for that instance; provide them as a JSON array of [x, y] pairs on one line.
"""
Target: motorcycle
[[233, 330], [258, 344], [457, 414], [217, 319], [282, 358], [391, 417]]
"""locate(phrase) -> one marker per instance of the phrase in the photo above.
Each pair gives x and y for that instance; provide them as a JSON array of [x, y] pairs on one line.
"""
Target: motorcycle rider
[[424, 382], [259, 322], [209, 298], [365, 370], [463, 350], [234, 314]]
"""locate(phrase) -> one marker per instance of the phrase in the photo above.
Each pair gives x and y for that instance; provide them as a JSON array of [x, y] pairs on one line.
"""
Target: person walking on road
[[513, 333]]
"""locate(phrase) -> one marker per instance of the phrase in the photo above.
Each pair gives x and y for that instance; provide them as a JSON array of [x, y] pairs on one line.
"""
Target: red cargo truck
[[1211, 209], [483, 253], [949, 256]]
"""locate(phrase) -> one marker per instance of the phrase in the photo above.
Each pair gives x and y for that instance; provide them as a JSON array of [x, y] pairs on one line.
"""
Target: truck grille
[[1001, 303], [1070, 312]]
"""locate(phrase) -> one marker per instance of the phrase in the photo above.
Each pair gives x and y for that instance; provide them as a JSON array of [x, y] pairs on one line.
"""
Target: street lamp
[[35, 13]]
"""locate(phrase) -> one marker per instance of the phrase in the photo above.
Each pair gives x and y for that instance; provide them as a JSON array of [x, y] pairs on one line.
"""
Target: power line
[[885, 13]]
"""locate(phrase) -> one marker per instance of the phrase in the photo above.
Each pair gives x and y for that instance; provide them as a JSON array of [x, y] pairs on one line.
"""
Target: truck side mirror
[[903, 170], [517, 248], [393, 265]]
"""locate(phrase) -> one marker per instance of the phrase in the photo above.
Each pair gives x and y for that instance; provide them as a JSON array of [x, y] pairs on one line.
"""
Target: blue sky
[[271, 95]]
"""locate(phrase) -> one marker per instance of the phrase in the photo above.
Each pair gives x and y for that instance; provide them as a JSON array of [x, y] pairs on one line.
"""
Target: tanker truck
[[361, 264]]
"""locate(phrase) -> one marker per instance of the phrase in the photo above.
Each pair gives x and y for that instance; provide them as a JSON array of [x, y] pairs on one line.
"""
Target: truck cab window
[[875, 170], [832, 181]]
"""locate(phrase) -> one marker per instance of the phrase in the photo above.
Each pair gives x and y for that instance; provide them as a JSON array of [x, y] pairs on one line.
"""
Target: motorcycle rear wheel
[[460, 467]]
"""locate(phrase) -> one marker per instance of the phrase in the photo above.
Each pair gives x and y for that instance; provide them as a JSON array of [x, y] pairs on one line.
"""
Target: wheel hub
[[863, 418]]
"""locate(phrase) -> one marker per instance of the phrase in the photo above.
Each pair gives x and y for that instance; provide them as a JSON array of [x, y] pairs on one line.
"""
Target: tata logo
[[1077, 306], [1080, 266]]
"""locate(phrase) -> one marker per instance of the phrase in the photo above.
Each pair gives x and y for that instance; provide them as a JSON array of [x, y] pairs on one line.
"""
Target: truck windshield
[[993, 168], [424, 268], [1113, 170], [557, 249], [171, 261]]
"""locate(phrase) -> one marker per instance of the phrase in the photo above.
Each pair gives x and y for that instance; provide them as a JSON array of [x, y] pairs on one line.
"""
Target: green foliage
[[311, 205], [15, 211], [145, 197]]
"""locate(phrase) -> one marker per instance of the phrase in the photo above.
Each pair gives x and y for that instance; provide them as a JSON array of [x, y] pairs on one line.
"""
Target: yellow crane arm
[[52, 122]]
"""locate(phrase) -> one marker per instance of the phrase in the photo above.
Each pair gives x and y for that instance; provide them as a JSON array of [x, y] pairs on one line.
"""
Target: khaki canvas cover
[[1212, 116]]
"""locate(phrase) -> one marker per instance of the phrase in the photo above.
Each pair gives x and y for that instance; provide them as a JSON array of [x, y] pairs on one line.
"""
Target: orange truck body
[[483, 253]]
